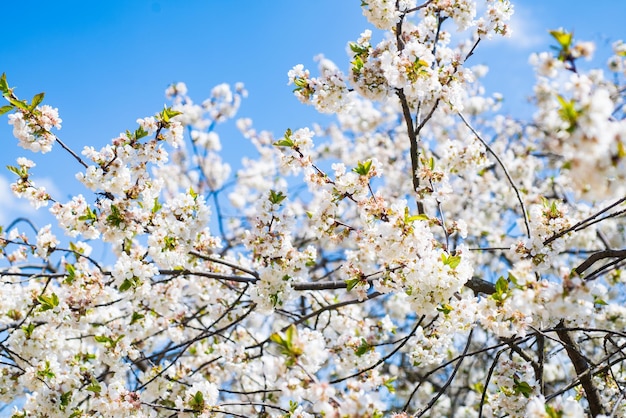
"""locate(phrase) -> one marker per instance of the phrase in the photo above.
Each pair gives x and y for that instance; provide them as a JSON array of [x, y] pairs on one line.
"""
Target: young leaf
[[4, 87], [21, 172], [36, 100], [136, 317], [127, 284], [157, 206], [28, 329], [563, 38], [363, 348], [522, 388], [388, 384], [21, 104], [197, 401], [5, 109], [357, 49], [94, 386], [363, 169], [352, 283], [290, 335], [286, 141], [48, 302], [71, 274], [276, 197], [66, 398], [88, 216], [444, 308], [140, 133], [408, 218], [451, 260]]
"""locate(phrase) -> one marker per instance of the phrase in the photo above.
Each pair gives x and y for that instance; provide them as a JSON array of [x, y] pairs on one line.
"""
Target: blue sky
[[105, 64]]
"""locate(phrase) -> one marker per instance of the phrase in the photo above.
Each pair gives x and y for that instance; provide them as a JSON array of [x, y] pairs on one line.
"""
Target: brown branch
[[620, 254], [582, 368], [406, 112], [418, 7], [585, 222]]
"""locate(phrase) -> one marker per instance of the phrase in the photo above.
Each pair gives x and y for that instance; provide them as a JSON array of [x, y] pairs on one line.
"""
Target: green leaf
[[563, 38], [46, 373], [277, 338], [115, 218], [358, 49], [301, 82], [276, 197], [88, 216], [37, 99], [621, 150], [193, 193], [408, 218], [388, 384], [102, 339], [286, 342], [502, 285], [357, 64], [21, 104], [75, 248], [169, 243], [94, 386], [352, 283], [453, 260], [290, 335], [363, 169], [136, 317], [5, 109], [127, 284], [140, 133], [363, 348], [420, 217], [293, 405], [14, 314], [28, 329], [444, 308], [4, 86], [197, 401], [107, 341], [522, 388], [66, 398], [21, 172], [71, 274], [553, 413], [286, 141], [78, 413], [157, 206], [48, 302], [167, 114]]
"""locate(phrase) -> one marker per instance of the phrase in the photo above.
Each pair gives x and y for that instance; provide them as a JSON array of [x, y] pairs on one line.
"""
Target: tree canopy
[[424, 254]]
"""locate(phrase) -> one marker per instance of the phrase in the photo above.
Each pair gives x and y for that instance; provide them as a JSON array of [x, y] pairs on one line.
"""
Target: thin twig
[[72, 153], [506, 172]]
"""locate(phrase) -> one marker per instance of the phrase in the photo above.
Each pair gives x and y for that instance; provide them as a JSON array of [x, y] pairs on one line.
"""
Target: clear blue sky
[[106, 63]]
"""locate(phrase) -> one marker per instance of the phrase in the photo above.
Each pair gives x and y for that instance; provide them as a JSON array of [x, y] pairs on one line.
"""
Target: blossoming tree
[[421, 256]]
